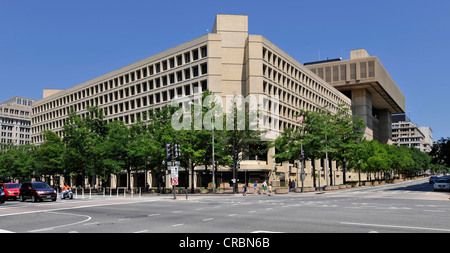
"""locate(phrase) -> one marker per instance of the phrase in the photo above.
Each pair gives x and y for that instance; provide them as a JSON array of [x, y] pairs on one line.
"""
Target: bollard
[[90, 191]]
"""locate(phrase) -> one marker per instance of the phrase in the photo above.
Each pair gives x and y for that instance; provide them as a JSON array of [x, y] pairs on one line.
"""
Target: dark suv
[[36, 191]]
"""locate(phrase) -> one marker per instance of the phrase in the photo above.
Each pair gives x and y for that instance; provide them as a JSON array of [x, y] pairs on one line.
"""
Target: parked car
[[442, 184], [2, 197], [11, 190], [433, 179], [36, 191]]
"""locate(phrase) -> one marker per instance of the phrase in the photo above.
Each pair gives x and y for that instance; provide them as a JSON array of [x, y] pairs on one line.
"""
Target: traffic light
[[176, 151], [169, 151]]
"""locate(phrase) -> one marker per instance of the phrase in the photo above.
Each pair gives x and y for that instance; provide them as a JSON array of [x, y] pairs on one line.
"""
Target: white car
[[442, 184]]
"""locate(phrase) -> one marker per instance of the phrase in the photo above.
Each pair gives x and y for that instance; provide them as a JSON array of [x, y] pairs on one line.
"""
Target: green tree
[[49, 158]]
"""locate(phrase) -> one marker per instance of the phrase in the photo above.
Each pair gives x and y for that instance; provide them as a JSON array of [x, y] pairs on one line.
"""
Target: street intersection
[[407, 207]]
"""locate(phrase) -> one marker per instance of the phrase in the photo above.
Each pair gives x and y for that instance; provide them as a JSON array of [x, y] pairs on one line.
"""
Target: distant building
[[15, 120], [428, 141], [406, 133]]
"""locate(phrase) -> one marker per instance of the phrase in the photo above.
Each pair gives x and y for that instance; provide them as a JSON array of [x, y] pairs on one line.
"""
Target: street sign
[[175, 181], [302, 175], [174, 171]]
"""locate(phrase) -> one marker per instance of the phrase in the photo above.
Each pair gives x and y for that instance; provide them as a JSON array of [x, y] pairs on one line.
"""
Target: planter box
[[281, 191], [203, 191], [328, 188], [354, 185], [309, 189], [367, 183], [299, 190], [343, 186]]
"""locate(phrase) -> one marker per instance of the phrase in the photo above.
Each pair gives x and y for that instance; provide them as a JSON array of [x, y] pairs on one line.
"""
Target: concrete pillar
[[385, 126], [362, 106]]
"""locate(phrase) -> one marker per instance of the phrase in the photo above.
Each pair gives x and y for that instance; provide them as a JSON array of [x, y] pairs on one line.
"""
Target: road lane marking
[[66, 225], [393, 226], [176, 225], [208, 219], [2, 231]]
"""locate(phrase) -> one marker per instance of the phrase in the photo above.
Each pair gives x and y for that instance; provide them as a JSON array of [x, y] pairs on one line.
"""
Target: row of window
[[134, 89], [15, 112], [339, 72], [131, 107], [170, 63], [292, 78], [295, 90]]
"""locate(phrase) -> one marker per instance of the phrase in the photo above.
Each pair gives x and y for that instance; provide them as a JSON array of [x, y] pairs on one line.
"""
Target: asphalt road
[[407, 207]]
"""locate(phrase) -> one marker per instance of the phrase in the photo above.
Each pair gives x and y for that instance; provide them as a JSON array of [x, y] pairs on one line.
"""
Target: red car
[[11, 190]]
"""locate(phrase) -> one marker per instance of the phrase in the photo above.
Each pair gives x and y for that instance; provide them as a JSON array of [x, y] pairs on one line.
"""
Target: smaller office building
[[406, 133], [15, 121]]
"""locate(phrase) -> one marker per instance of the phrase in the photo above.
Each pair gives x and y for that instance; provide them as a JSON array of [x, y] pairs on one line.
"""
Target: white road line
[[233, 214], [155, 214], [176, 225], [66, 225], [2, 231], [208, 219], [392, 226], [142, 231]]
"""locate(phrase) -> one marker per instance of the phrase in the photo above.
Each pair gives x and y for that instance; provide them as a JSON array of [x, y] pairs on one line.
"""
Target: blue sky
[[59, 44]]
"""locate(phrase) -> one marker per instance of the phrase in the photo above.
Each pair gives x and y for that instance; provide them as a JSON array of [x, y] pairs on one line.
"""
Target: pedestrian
[[256, 188], [245, 190], [264, 187], [290, 184], [293, 184], [270, 190]]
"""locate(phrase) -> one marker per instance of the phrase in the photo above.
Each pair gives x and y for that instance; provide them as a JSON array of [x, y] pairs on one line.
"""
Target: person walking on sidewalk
[[256, 188]]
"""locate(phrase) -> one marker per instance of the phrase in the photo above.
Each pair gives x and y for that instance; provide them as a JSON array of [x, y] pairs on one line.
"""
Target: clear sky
[[58, 44]]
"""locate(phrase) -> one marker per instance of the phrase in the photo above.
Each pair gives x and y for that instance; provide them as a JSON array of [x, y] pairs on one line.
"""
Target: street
[[406, 207]]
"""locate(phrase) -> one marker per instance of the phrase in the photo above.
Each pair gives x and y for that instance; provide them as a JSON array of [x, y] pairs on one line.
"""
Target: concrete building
[[228, 61], [15, 120], [375, 96]]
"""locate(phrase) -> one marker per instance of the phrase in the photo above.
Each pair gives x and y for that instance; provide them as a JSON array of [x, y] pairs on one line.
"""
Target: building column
[[362, 106], [385, 126]]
